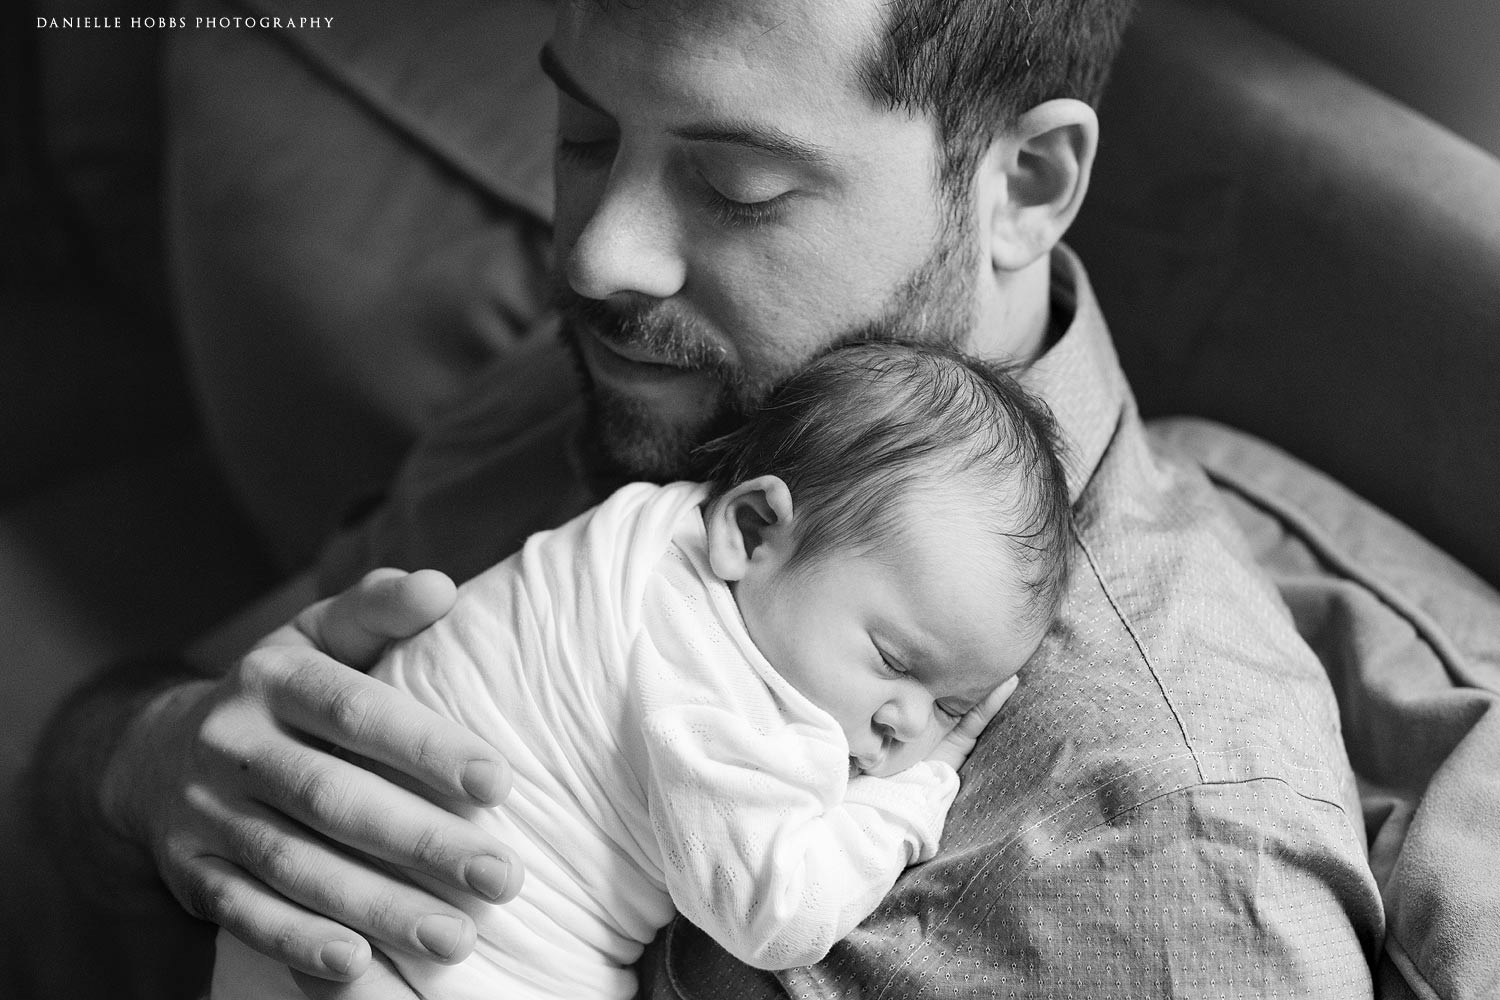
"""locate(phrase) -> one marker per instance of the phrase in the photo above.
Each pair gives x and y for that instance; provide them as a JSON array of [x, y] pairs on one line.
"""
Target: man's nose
[[630, 244]]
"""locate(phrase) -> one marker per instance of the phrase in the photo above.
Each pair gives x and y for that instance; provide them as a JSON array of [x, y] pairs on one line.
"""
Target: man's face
[[731, 202]]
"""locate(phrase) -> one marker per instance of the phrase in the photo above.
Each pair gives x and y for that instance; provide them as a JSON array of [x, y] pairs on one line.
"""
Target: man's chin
[[646, 425], [628, 442]]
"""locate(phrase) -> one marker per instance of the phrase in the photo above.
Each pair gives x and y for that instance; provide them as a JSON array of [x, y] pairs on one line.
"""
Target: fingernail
[[482, 779], [439, 934], [488, 876], [338, 956]]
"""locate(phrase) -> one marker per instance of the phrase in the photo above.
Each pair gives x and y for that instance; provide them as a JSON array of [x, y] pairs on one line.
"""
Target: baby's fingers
[[976, 718], [955, 748]]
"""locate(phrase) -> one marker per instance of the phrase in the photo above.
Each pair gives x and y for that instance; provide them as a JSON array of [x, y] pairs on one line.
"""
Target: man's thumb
[[356, 626]]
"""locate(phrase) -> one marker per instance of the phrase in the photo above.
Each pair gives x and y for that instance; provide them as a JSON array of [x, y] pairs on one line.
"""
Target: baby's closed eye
[[952, 712]]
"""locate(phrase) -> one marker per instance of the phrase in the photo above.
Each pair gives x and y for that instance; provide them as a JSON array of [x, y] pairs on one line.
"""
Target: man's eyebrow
[[750, 135], [758, 137], [564, 80]]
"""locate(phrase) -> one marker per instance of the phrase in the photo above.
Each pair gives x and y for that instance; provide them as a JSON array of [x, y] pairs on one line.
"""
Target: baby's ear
[[749, 526]]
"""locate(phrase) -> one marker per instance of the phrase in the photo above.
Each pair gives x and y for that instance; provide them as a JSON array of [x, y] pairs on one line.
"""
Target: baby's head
[[894, 524]]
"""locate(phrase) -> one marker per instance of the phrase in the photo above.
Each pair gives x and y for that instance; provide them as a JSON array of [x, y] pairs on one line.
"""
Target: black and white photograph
[[750, 500]]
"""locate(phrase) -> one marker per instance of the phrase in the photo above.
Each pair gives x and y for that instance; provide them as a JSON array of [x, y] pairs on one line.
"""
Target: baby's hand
[[959, 743]]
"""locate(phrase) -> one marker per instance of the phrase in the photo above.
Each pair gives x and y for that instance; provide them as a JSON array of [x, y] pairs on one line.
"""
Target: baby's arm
[[769, 846]]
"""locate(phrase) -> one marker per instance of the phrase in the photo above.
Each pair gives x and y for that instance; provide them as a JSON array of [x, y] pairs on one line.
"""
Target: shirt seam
[[1140, 647]]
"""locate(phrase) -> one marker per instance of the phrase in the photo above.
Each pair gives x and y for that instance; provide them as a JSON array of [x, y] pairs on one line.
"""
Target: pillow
[[1411, 641]]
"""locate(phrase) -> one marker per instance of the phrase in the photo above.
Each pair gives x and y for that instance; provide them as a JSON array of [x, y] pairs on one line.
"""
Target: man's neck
[[1015, 315]]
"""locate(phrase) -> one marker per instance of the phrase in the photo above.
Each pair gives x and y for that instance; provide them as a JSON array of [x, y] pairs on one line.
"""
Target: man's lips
[[634, 354], [633, 371], [623, 356]]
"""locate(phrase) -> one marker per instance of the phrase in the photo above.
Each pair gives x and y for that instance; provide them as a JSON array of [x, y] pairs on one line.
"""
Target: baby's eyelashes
[[890, 663], [951, 712]]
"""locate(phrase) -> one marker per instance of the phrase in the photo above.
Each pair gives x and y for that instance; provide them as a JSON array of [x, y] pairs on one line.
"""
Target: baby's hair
[[861, 428]]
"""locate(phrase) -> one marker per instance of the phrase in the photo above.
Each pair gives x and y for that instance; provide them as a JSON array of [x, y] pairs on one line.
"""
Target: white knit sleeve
[[766, 843]]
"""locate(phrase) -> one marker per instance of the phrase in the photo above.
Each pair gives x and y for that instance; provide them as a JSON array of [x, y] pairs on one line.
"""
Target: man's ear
[[749, 525], [1033, 180]]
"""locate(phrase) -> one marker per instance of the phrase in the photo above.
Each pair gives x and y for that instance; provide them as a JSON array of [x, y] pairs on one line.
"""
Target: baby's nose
[[902, 719]]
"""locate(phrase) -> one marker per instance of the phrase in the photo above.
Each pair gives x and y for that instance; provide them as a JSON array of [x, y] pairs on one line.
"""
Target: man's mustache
[[652, 329]]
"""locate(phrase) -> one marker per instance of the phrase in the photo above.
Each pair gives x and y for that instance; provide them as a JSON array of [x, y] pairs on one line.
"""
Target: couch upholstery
[[1284, 249]]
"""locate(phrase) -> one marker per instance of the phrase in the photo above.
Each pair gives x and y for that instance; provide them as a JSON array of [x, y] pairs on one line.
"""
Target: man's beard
[[625, 440]]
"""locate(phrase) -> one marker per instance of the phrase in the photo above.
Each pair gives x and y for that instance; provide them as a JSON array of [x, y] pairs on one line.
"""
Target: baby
[[745, 700]]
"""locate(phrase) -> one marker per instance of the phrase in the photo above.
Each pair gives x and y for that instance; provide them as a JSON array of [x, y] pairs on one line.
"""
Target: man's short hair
[[871, 425], [976, 66]]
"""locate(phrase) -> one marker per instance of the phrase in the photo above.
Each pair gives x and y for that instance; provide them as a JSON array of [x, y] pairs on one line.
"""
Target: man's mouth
[[633, 353], [626, 366], [654, 336]]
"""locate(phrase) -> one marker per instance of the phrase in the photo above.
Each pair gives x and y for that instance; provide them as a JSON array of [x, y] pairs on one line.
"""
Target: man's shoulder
[[1172, 631]]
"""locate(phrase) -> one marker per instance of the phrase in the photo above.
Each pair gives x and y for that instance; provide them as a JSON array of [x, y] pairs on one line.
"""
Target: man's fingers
[[357, 625], [362, 810], [290, 897], [222, 893], [371, 719], [381, 981], [401, 604]]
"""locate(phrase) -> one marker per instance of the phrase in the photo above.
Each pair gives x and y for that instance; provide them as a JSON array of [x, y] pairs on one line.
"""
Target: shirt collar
[[1079, 376]]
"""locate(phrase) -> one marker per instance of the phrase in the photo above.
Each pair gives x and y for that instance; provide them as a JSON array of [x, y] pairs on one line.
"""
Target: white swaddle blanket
[[660, 762]]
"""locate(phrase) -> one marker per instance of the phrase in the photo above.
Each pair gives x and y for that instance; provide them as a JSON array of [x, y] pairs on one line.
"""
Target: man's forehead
[[721, 28], [708, 15]]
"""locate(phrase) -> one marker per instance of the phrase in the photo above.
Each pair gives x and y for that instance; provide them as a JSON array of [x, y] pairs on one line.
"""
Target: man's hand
[[961, 739], [381, 982], [257, 822]]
